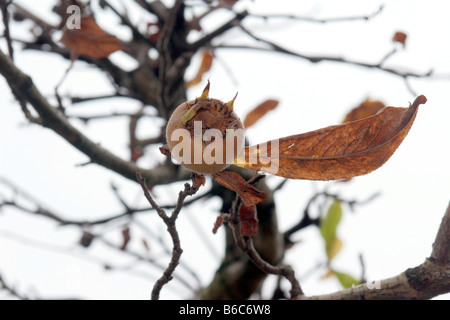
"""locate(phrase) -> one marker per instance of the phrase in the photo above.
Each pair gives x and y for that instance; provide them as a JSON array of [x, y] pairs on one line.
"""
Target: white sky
[[394, 232]]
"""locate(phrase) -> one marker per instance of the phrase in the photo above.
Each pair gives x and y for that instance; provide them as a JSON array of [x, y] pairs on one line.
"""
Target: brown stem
[[425, 281], [54, 120], [171, 229]]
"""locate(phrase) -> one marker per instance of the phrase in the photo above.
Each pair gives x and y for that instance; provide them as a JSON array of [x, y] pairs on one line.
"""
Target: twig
[[171, 228], [52, 118], [58, 97], [10, 290], [272, 47], [246, 244], [5, 14], [165, 59], [315, 20], [45, 212], [136, 34], [112, 115], [206, 40], [307, 221], [425, 281]]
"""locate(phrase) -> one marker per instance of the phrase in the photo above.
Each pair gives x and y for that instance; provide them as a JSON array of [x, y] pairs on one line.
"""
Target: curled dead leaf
[[90, 40], [221, 218], [248, 220], [233, 181], [400, 37], [165, 150], [336, 152], [205, 66], [86, 239], [126, 237], [366, 109], [198, 180], [259, 111]]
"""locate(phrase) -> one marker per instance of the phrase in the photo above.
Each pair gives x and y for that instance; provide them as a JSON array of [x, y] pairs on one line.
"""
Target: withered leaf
[[126, 237], [136, 153], [146, 245], [233, 181], [248, 220], [90, 40], [366, 109], [165, 150], [86, 239], [219, 221], [154, 30], [205, 66], [400, 37], [259, 111], [336, 152], [198, 180]]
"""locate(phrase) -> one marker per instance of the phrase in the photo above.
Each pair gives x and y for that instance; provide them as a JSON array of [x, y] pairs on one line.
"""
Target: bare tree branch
[[316, 20], [246, 244], [171, 228], [52, 119], [425, 281]]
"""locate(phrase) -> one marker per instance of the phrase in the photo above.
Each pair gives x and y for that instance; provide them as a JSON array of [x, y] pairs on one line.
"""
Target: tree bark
[[425, 281]]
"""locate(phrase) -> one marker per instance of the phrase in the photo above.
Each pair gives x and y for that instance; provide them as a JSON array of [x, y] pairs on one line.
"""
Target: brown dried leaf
[[400, 37], [126, 237], [136, 153], [86, 239], [90, 40], [248, 219], [233, 181], [154, 30], [366, 109], [165, 150], [336, 152], [205, 66], [146, 245], [198, 180], [219, 221], [258, 112]]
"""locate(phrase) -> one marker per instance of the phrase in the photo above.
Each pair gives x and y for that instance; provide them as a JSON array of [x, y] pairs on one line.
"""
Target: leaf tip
[[420, 100]]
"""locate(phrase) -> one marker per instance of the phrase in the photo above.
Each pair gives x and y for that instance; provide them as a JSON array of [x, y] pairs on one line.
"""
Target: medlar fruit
[[205, 135]]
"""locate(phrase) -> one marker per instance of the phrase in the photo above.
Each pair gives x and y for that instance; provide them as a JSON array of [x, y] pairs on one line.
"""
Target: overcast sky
[[394, 232]]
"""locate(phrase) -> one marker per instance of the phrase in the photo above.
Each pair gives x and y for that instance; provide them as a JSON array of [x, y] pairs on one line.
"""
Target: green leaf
[[332, 247], [346, 280], [329, 223]]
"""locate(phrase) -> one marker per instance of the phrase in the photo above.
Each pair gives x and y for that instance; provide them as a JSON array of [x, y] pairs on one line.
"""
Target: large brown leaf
[[336, 152], [366, 109], [90, 40]]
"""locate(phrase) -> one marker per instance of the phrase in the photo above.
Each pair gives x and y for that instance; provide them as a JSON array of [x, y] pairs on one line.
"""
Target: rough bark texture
[[425, 281]]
